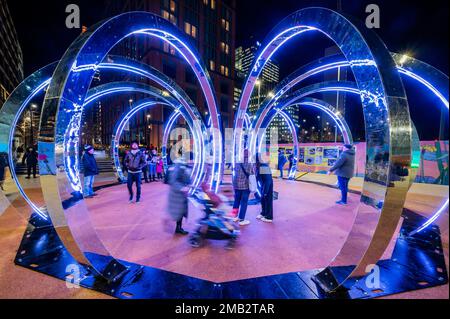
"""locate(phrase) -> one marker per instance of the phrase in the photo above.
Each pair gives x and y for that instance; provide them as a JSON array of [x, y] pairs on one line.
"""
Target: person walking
[[31, 159], [281, 161], [134, 161], [344, 169], [264, 176], [241, 175], [90, 170], [179, 179]]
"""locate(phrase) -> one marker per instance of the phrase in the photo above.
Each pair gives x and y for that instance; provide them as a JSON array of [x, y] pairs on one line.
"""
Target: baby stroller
[[214, 225]]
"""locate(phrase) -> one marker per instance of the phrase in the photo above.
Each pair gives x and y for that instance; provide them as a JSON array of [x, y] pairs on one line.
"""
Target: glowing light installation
[[386, 116], [431, 78], [66, 95]]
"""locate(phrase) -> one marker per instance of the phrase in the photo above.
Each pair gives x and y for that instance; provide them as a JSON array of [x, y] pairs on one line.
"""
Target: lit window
[[190, 29], [205, 2], [213, 4], [225, 24], [173, 6], [225, 47], [165, 14], [212, 65]]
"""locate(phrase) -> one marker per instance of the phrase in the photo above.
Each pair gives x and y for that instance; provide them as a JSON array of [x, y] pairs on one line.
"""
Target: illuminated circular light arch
[[268, 110], [10, 114], [311, 102], [38, 82], [433, 79], [145, 104], [189, 112], [386, 116], [64, 100]]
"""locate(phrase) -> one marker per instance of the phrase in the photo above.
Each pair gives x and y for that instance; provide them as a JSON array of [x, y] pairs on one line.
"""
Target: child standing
[[160, 168]]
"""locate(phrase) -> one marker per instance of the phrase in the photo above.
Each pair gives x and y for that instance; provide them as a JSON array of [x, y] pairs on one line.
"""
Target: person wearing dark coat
[[344, 170], [179, 180], [135, 161], [31, 159], [264, 177], [90, 170], [281, 161]]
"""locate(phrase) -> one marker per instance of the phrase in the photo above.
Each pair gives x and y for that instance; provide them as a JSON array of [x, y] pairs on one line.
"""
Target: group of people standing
[[241, 184], [136, 162], [283, 158], [344, 169]]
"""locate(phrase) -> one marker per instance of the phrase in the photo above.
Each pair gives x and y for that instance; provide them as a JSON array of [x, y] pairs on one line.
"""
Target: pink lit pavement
[[307, 232]]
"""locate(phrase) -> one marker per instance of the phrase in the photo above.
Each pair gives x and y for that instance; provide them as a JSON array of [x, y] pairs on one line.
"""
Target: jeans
[[30, 168], [266, 195], [134, 178], [152, 171], [343, 186], [241, 200], [145, 173], [88, 189], [281, 170]]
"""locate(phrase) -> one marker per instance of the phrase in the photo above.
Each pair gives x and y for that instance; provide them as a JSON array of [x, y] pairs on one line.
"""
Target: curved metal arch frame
[[266, 112], [75, 71], [39, 81], [196, 125], [143, 104], [385, 106], [430, 77]]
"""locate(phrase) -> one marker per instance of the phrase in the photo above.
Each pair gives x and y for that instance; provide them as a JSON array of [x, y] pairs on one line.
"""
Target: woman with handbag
[[244, 181]]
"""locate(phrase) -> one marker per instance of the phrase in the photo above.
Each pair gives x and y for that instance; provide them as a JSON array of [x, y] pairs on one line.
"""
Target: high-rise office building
[[210, 27], [11, 68], [11, 62]]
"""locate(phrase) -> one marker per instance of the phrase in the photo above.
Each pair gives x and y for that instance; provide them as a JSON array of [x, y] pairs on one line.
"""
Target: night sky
[[418, 28]]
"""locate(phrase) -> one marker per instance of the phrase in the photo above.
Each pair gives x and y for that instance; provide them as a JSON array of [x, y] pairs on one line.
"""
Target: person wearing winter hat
[[90, 170], [344, 170]]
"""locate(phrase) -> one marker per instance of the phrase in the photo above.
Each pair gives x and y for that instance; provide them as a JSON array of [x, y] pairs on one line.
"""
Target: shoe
[[181, 231], [95, 194], [89, 196], [130, 200], [234, 212], [244, 223], [341, 203], [259, 217], [266, 220], [138, 201]]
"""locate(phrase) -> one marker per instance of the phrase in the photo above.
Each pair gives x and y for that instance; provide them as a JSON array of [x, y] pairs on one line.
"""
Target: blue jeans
[[281, 170], [88, 189], [152, 171], [241, 200], [134, 178], [343, 186]]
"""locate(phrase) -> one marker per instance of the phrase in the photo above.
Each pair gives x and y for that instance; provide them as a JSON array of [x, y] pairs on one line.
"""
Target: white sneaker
[[244, 223], [259, 217], [266, 220]]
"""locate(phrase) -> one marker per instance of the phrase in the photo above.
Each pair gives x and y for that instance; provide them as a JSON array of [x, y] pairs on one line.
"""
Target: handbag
[[252, 183]]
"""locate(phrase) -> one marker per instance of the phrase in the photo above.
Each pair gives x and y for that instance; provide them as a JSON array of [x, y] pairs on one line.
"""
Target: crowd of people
[[248, 177]]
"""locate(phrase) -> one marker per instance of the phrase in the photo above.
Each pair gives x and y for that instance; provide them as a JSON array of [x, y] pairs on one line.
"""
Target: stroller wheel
[[230, 244], [195, 241]]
